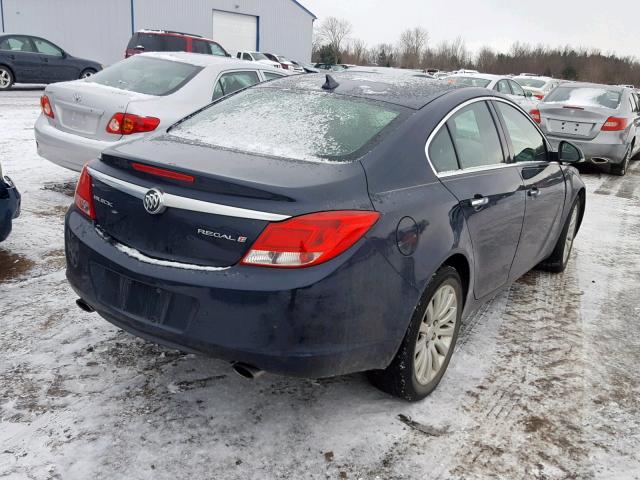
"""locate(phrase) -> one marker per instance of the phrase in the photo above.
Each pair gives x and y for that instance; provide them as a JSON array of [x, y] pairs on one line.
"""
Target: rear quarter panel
[[402, 184]]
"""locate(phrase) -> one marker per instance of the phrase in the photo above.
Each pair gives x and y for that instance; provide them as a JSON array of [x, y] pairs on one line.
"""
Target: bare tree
[[334, 33], [412, 44]]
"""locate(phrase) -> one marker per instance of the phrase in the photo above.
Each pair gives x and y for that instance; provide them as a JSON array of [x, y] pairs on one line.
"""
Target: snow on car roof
[[203, 60], [400, 88]]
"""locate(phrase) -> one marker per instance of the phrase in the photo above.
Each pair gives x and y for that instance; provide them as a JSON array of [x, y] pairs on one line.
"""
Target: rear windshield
[[585, 97], [152, 76], [531, 82], [310, 126], [259, 56], [468, 81], [152, 42]]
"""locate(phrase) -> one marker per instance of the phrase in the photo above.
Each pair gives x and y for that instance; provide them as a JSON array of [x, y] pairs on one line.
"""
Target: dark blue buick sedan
[[316, 227]]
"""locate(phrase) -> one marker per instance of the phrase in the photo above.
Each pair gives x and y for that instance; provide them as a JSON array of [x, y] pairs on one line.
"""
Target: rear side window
[[234, 81], [516, 89], [528, 144], [209, 48], [441, 152], [16, 44], [300, 125], [161, 43], [503, 87], [147, 75], [475, 136], [585, 97]]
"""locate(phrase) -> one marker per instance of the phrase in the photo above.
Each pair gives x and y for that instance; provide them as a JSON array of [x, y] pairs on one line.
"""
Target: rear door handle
[[479, 201], [534, 192]]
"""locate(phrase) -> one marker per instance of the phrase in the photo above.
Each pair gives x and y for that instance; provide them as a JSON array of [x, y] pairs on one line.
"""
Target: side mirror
[[569, 153], [528, 94]]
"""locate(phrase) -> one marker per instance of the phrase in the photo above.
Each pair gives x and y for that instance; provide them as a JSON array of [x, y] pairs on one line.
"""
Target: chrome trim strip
[[185, 203], [463, 171]]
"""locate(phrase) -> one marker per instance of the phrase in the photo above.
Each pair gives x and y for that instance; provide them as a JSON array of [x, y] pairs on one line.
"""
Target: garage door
[[235, 31]]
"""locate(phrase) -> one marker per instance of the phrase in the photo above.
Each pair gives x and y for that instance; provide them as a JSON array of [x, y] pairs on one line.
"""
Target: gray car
[[603, 120], [135, 98]]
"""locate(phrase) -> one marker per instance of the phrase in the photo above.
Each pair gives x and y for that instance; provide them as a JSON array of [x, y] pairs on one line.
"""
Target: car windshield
[[469, 81], [531, 82], [152, 76], [585, 97], [259, 56], [309, 126]]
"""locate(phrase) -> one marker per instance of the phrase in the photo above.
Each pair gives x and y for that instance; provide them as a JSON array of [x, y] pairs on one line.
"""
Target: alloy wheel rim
[[436, 334], [87, 74], [4, 78], [571, 233]]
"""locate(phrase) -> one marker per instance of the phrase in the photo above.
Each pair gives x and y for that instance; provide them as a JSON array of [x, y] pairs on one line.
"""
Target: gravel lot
[[544, 384]]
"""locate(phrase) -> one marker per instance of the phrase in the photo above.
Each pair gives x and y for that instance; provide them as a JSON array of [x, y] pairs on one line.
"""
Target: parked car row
[[221, 213]]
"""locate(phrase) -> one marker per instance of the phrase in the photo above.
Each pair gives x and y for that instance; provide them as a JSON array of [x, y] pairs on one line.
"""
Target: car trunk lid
[[574, 121], [213, 220], [85, 109]]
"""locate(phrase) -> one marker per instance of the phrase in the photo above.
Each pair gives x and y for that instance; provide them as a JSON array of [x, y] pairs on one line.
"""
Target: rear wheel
[[428, 345], [6, 78], [87, 73], [559, 258], [621, 168]]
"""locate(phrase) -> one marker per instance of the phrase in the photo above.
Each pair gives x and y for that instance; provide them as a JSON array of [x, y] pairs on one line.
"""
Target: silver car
[[133, 98], [539, 86], [504, 85], [603, 120]]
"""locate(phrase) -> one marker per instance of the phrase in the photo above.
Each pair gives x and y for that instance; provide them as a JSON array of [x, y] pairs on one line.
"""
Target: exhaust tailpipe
[[600, 161], [84, 306], [247, 371]]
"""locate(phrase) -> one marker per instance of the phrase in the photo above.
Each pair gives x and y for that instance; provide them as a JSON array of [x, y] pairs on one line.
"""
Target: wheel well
[[10, 69], [461, 264]]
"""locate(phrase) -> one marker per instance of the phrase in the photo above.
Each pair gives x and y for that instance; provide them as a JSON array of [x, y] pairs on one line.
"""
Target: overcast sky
[[609, 26]]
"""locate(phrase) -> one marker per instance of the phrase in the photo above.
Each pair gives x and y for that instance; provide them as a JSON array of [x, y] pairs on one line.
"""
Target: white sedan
[[133, 98], [504, 85]]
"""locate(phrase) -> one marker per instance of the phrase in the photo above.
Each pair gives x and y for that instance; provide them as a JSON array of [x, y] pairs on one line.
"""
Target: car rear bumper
[[332, 319], [594, 152], [10, 201], [66, 149]]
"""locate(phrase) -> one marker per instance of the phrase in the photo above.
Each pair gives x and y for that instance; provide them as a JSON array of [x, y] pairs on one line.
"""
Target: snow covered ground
[[544, 383]]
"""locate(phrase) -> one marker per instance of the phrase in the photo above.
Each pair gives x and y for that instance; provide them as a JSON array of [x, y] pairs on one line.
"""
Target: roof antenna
[[330, 84]]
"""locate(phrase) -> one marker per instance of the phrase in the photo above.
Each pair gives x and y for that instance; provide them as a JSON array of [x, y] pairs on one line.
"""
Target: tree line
[[333, 43]]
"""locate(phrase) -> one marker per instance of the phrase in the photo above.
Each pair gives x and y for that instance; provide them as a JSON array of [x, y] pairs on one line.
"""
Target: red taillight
[[615, 124], [127, 123], [161, 172], [309, 239], [285, 66], [535, 114], [45, 104], [539, 96], [84, 194]]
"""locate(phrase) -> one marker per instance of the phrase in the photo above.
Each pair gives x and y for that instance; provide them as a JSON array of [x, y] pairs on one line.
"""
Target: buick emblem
[[153, 201], [77, 98]]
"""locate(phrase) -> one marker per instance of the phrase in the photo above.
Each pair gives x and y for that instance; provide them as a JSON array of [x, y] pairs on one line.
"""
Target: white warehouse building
[[100, 29]]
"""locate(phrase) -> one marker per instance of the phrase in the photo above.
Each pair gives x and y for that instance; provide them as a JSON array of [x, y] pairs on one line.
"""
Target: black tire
[[399, 378], [87, 72], [557, 261], [621, 168], [6, 78]]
